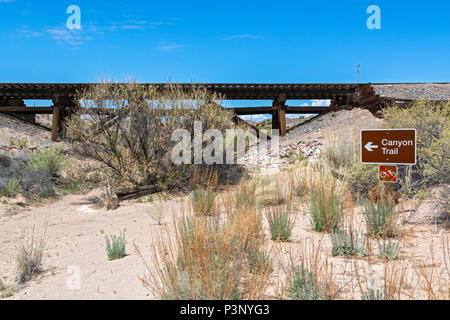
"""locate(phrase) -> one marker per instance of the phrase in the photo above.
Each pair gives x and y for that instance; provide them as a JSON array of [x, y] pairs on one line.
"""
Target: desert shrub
[[326, 209], [371, 294], [203, 200], [432, 122], [381, 218], [388, 249], [38, 183], [16, 176], [362, 178], [259, 261], [12, 189], [246, 196], [348, 243], [209, 264], [304, 285], [29, 253], [280, 223], [115, 246], [5, 292], [20, 143], [8, 292], [340, 155], [298, 157], [49, 160], [210, 258], [128, 129]]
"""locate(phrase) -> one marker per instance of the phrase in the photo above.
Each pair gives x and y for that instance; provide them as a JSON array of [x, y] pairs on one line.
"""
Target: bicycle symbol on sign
[[388, 174]]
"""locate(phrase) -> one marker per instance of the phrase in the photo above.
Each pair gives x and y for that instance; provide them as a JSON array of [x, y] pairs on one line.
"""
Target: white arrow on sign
[[369, 146]]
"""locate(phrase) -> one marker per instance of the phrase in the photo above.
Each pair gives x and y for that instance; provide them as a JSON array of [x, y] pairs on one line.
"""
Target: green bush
[[17, 176], [348, 243], [388, 249], [115, 246], [12, 189], [49, 160], [259, 262], [280, 223], [326, 210], [138, 148], [380, 218], [5, 292], [362, 178], [432, 122], [304, 286], [371, 294]]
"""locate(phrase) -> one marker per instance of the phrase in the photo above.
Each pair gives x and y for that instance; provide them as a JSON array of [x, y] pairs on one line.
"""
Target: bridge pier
[[63, 106], [279, 114]]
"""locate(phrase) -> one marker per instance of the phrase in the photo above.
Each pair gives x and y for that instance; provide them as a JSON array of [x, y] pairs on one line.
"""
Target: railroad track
[[342, 96]]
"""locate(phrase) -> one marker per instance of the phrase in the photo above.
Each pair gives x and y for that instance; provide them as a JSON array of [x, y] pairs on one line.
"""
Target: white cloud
[[71, 37], [170, 46], [242, 36], [320, 103], [131, 27], [75, 38], [294, 116], [255, 117], [29, 33]]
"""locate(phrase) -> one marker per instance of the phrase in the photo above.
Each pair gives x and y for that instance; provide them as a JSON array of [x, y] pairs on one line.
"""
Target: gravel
[[12, 129], [427, 91], [335, 121]]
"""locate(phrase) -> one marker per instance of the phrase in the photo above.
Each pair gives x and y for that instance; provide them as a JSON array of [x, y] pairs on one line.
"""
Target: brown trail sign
[[391, 146]]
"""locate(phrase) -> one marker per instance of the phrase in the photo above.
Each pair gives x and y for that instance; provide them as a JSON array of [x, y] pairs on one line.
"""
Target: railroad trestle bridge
[[63, 95]]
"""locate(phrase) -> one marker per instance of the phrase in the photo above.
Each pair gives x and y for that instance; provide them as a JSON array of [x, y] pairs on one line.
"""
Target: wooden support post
[[282, 121], [56, 122], [275, 124], [279, 114], [63, 106]]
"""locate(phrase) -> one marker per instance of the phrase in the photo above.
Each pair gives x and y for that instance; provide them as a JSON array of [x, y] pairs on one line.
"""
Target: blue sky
[[225, 41]]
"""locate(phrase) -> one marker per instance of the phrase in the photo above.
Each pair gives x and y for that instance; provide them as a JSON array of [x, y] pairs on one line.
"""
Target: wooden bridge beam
[[279, 114], [11, 105]]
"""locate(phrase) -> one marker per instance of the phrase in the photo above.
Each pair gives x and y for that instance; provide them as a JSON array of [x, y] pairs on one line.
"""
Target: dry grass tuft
[[310, 275], [30, 251], [211, 257]]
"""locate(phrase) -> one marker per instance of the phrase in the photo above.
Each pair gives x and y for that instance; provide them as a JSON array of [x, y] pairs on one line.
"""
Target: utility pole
[[357, 68]]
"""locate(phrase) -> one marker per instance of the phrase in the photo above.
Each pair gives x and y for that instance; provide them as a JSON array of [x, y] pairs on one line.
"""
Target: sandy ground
[[75, 239]]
